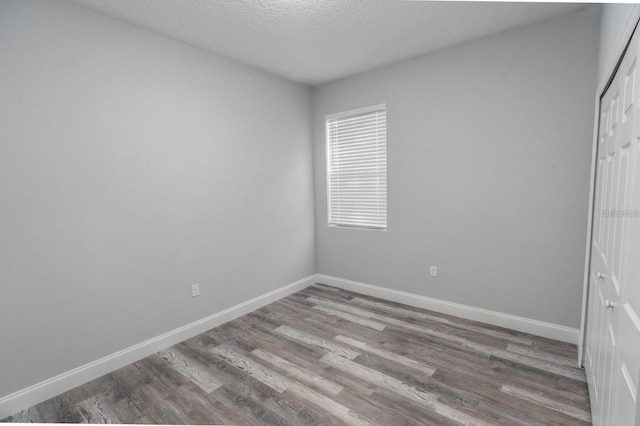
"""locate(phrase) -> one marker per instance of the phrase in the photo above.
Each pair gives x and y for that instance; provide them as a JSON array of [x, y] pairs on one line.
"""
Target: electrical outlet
[[195, 290], [434, 271]]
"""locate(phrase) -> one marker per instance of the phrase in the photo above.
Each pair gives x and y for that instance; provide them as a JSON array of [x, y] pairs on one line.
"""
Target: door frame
[[603, 85]]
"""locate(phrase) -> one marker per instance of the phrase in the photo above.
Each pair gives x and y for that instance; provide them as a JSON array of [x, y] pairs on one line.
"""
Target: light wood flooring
[[329, 356]]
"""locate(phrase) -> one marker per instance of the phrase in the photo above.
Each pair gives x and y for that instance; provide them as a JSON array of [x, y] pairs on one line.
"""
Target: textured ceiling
[[315, 41]]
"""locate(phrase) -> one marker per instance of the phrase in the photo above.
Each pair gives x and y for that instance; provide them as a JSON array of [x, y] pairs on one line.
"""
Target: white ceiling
[[315, 41]]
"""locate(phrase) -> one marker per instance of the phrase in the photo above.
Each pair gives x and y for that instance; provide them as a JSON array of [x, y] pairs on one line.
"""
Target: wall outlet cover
[[433, 271]]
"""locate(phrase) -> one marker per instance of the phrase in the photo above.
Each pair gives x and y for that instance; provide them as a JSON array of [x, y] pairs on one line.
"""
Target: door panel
[[613, 319]]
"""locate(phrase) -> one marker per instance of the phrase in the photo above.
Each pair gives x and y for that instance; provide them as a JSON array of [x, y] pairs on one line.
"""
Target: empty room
[[310, 212]]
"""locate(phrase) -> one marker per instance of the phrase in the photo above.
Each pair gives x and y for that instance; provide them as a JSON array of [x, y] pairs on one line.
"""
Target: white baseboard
[[539, 328], [49, 388]]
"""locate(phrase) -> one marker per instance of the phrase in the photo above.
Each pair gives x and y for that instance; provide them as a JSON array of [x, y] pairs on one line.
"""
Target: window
[[357, 168]]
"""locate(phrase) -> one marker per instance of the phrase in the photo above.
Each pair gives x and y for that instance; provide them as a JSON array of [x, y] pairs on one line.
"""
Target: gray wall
[[132, 166], [489, 148]]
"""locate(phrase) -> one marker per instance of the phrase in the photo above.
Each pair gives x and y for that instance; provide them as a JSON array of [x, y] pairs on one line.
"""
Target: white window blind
[[357, 168]]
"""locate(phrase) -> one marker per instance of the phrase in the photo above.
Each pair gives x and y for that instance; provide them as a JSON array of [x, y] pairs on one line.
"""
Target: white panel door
[[612, 357], [601, 340]]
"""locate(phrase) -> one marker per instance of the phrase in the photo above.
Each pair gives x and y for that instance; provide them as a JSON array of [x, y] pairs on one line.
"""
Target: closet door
[[625, 267], [601, 339], [613, 327]]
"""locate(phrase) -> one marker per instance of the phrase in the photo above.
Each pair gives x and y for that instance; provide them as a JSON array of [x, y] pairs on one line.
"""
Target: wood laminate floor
[[329, 356]]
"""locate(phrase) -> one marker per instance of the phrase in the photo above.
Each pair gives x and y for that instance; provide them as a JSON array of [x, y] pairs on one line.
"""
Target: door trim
[[603, 85]]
